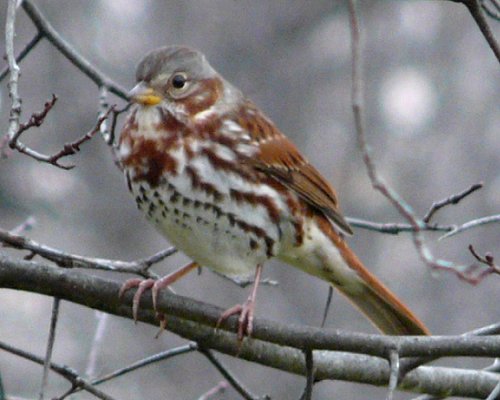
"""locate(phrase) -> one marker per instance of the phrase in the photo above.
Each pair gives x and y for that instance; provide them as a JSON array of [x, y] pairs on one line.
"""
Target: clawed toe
[[141, 288], [245, 319], [155, 285], [142, 285], [129, 284]]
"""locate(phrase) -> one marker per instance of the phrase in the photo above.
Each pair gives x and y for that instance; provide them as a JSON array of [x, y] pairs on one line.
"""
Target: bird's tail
[[334, 262], [386, 311]]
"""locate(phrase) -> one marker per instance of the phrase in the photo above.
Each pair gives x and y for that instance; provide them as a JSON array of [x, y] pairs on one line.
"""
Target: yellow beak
[[144, 95]]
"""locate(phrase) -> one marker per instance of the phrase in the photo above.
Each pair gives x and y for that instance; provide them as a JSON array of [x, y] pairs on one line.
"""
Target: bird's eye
[[179, 81]]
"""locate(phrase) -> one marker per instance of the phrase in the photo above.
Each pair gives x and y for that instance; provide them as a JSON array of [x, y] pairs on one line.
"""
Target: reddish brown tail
[[387, 312], [376, 301]]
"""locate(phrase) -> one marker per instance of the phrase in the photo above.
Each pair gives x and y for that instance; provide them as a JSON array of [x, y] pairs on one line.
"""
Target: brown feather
[[376, 301], [281, 159]]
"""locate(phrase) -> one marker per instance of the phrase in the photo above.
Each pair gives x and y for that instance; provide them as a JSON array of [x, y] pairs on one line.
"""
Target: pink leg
[[245, 310], [167, 280], [144, 284]]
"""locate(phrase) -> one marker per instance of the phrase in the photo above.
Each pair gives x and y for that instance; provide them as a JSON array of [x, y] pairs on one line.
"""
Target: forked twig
[[66, 372], [376, 180], [65, 260], [454, 199], [23, 53]]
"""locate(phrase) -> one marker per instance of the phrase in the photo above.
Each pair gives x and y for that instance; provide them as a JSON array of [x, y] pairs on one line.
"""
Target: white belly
[[213, 234]]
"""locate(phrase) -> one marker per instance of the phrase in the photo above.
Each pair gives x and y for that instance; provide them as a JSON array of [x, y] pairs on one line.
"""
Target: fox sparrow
[[217, 178]]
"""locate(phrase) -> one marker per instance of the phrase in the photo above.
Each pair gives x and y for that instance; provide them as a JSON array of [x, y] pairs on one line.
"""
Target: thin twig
[[472, 224], [140, 267], [164, 355], [68, 148], [137, 365], [217, 389], [231, 379], [493, 13], [114, 119], [35, 120], [453, 199], [26, 225], [495, 394], [97, 341], [376, 180], [393, 379], [474, 7], [487, 260], [103, 107], [73, 147], [309, 363], [15, 109], [327, 306], [65, 372], [43, 26], [245, 282], [23, 53], [50, 346], [396, 228]]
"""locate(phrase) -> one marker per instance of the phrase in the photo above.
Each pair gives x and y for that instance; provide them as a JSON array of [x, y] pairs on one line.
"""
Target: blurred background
[[433, 123]]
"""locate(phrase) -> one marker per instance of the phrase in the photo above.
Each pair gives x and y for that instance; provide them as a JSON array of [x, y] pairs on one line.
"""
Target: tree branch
[[43, 26], [195, 321]]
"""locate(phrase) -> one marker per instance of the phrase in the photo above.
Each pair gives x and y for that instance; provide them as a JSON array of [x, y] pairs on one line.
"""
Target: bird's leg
[[245, 310], [155, 285]]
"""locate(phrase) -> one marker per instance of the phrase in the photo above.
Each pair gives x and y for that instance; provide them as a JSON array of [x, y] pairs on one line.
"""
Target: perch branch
[[195, 321]]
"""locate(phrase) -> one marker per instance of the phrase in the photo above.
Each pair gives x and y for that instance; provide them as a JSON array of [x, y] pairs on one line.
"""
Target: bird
[[222, 183]]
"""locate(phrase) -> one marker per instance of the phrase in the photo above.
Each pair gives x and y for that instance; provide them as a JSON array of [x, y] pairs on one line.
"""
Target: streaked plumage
[[224, 185]]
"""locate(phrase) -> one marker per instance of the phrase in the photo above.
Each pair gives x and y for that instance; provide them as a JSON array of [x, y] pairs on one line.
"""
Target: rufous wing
[[281, 159]]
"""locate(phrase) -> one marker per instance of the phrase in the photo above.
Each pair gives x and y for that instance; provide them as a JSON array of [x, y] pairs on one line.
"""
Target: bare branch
[[475, 8], [309, 361], [396, 228], [189, 318], [36, 119], [491, 12], [44, 27], [495, 393], [376, 180], [393, 379], [65, 372], [15, 109], [453, 199], [68, 149], [245, 282], [66, 260], [425, 225], [232, 380], [73, 147], [50, 345], [97, 342], [165, 355], [217, 389], [327, 305], [24, 52], [43, 280], [472, 224], [487, 260]]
